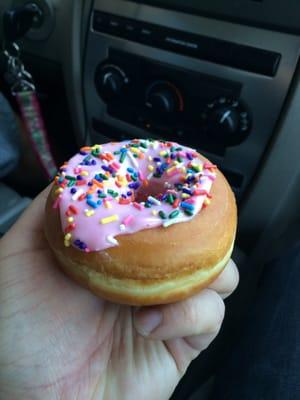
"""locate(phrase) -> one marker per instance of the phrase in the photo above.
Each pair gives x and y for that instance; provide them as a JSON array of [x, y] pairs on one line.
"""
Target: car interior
[[221, 77]]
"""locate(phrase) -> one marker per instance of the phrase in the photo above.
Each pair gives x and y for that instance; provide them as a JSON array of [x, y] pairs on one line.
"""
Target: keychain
[[23, 88]]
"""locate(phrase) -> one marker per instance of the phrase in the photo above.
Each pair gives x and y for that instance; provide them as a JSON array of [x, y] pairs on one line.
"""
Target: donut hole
[[154, 188]]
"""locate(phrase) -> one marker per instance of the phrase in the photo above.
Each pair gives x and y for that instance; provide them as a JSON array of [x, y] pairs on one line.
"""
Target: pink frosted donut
[[126, 220]]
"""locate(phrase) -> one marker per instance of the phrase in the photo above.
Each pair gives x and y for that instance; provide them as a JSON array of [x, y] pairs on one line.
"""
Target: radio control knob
[[110, 81], [226, 120], [163, 97]]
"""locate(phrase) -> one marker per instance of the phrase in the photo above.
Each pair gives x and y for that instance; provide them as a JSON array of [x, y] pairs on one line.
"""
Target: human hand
[[59, 341]]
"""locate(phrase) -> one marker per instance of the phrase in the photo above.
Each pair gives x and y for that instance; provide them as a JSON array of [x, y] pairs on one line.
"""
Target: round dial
[[227, 120], [164, 97], [110, 81]]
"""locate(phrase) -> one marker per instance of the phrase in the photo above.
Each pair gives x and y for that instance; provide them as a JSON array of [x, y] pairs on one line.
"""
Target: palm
[[69, 343], [59, 341]]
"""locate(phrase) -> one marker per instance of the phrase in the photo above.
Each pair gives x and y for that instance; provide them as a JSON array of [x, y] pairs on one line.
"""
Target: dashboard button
[[179, 42], [106, 23], [114, 25], [146, 34], [129, 29], [100, 22]]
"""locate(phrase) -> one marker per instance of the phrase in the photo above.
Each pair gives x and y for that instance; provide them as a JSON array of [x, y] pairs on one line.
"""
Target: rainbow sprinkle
[[114, 182], [109, 219]]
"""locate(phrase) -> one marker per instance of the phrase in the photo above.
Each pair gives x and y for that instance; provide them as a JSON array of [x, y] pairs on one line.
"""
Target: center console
[[213, 85]]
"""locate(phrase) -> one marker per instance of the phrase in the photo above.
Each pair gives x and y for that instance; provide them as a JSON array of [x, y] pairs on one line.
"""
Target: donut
[[141, 222]]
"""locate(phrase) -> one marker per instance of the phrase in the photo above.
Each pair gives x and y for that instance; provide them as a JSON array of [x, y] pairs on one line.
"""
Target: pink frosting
[[127, 173]]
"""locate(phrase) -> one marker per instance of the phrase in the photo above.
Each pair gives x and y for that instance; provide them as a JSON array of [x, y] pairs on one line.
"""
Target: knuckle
[[215, 314], [191, 313], [194, 316], [204, 313]]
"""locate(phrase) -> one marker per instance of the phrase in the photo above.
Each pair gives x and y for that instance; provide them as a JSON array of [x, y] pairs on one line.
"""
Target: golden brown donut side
[[139, 292], [155, 255]]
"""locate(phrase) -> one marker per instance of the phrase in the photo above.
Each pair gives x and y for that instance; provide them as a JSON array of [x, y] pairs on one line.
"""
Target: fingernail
[[147, 320]]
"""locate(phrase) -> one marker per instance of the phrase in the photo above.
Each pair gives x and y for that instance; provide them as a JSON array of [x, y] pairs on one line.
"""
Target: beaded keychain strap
[[23, 88]]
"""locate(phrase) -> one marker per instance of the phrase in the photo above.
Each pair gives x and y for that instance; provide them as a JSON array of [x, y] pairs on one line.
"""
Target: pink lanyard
[[34, 124], [23, 89]]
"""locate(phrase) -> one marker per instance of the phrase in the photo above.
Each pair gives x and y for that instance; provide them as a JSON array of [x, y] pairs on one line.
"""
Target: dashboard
[[165, 74], [222, 79]]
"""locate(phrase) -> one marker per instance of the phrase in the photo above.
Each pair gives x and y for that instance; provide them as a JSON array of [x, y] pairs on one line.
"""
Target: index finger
[[227, 281]]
